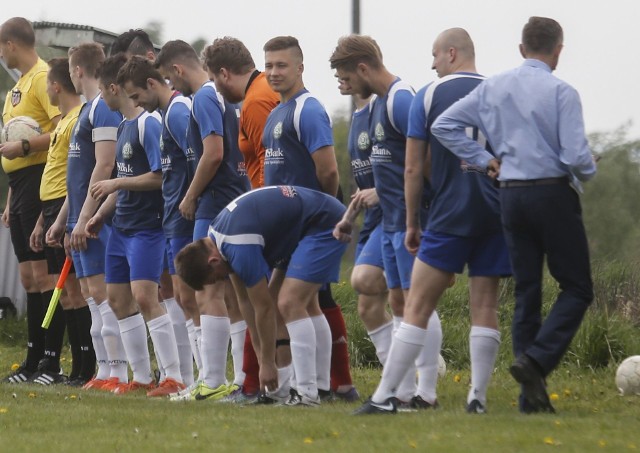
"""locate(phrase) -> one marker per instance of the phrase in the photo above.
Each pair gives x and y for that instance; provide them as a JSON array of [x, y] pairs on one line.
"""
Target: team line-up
[[196, 197]]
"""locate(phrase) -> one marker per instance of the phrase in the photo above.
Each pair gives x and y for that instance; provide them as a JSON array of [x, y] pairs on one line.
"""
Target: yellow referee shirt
[[54, 178], [29, 98]]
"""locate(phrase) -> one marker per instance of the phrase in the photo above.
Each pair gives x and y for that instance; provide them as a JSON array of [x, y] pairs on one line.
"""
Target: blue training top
[[177, 165], [359, 145], [96, 122], [262, 228], [465, 201], [137, 153], [211, 114], [293, 132]]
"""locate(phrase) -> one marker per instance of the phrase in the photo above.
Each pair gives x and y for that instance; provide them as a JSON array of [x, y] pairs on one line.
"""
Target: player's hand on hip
[[493, 168]]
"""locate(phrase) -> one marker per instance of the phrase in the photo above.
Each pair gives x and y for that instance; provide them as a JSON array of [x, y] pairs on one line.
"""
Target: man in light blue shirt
[[534, 124]]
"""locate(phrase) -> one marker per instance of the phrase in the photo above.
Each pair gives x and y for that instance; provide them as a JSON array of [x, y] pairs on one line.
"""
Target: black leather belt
[[534, 182]]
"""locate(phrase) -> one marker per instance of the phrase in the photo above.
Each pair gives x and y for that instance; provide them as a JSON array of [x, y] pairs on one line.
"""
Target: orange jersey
[[259, 100]]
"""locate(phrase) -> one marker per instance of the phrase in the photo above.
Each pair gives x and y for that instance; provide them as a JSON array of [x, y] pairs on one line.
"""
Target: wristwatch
[[26, 147]]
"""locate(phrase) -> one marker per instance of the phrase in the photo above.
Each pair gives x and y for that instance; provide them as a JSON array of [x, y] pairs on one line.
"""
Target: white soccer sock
[[104, 371], [381, 339], [323, 351], [427, 362], [113, 343], [284, 382], [303, 356], [134, 340], [183, 343], [407, 387], [407, 343], [197, 332], [484, 343], [213, 349], [195, 350], [238, 333], [164, 342]]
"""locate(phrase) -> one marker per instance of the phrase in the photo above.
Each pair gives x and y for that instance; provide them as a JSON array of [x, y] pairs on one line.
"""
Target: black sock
[[325, 298], [74, 343], [54, 335], [83, 321], [35, 332]]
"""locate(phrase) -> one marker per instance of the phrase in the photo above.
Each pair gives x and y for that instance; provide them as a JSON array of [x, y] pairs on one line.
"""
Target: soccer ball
[[628, 376], [18, 128], [442, 366]]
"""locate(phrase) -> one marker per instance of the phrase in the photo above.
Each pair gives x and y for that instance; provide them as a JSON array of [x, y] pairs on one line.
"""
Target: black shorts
[[55, 256], [24, 210]]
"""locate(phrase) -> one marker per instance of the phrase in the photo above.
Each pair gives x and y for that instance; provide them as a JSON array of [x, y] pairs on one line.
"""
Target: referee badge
[[277, 131], [16, 96], [127, 151]]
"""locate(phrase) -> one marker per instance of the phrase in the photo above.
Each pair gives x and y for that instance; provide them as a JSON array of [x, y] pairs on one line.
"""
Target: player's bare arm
[[212, 154], [95, 223], [265, 318], [55, 234], [326, 169], [416, 153]]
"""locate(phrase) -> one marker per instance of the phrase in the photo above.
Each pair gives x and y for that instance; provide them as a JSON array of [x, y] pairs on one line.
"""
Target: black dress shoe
[[534, 390]]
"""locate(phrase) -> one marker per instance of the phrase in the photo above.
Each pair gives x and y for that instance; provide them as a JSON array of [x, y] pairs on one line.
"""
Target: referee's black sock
[[54, 336], [88, 355], [35, 332], [74, 343]]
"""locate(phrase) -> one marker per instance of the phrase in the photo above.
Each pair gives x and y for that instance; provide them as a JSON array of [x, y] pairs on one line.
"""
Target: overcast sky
[[600, 57]]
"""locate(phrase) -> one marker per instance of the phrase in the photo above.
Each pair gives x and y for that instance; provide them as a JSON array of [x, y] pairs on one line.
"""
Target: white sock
[[134, 339], [484, 343], [104, 371], [238, 333], [303, 356], [179, 323], [113, 343], [323, 351], [213, 349], [381, 339], [284, 382], [407, 387], [195, 350], [407, 343], [164, 342], [427, 362], [197, 332]]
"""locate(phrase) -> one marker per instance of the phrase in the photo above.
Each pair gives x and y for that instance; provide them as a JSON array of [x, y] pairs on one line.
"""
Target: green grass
[[591, 417]]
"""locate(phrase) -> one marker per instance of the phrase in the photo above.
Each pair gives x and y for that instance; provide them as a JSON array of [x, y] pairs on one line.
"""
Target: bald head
[[453, 51], [459, 39]]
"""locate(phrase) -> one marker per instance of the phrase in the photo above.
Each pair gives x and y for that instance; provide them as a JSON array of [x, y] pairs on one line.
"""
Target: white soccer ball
[[18, 128], [442, 366], [628, 376]]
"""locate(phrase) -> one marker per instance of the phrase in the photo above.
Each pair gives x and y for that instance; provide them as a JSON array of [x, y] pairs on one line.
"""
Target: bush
[[609, 332]]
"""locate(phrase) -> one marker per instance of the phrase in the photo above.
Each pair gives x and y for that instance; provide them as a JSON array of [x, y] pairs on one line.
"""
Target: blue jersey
[[96, 122], [137, 153], [211, 114], [262, 228], [359, 145], [465, 201], [177, 165], [293, 132], [388, 123]]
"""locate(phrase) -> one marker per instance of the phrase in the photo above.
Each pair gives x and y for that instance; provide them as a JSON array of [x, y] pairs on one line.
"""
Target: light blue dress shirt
[[532, 119]]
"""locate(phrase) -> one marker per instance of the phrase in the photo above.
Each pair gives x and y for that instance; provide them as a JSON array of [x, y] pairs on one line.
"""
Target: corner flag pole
[[56, 293]]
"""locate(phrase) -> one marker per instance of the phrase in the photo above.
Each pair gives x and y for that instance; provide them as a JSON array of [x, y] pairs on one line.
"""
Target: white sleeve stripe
[[428, 95], [92, 110], [300, 100], [142, 122], [399, 85], [218, 95], [238, 239], [181, 99], [103, 134]]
